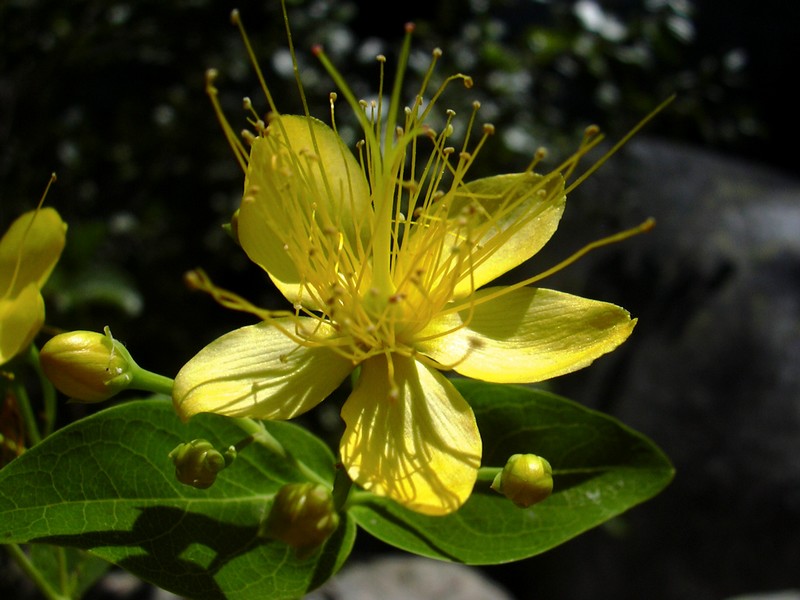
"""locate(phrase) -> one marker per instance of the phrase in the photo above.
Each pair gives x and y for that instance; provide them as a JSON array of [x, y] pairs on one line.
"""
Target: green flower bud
[[198, 462], [525, 480], [303, 516], [87, 366]]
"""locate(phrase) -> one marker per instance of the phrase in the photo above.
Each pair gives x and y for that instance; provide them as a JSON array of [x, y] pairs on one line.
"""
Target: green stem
[[259, 434], [26, 410], [33, 573], [48, 392], [151, 382], [63, 569]]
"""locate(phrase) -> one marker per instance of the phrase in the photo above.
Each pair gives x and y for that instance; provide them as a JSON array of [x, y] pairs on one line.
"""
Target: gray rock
[[711, 373], [406, 577]]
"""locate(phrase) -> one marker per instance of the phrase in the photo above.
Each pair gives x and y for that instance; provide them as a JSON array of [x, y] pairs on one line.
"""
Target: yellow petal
[[419, 446], [526, 335], [504, 220], [38, 244], [303, 189], [257, 371], [21, 318]]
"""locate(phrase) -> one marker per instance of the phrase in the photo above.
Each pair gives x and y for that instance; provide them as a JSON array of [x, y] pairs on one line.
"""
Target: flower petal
[[39, 244], [419, 446], [526, 335], [303, 188], [257, 371], [501, 221], [21, 318]]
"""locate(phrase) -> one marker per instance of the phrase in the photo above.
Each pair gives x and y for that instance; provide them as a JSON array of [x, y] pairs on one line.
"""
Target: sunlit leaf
[[105, 484], [601, 469]]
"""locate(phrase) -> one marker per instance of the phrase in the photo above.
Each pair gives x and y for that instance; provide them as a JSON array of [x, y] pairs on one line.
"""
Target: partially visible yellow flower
[[29, 251], [384, 255]]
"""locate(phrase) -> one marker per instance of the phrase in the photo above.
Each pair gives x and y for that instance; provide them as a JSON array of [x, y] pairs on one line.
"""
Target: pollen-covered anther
[[591, 131], [437, 52], [429, 132], [235, 16], [211, 77], [464, 155], [247, 103], [476, 105], [411, 185], [448, 151], [193, 280], [248, 136], [380, 58], [469, 210], [488, 129], [468, 83], [393, 395]]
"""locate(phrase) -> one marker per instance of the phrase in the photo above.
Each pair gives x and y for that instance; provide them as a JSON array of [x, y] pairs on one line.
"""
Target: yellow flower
[[383, 255], [29, 251]]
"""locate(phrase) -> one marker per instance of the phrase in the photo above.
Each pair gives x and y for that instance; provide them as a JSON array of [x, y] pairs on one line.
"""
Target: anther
[[333, 96], [591, 131], [211, 76], [248, 137], [317, 49], [235, 16], [397, 298], [476, 105], [488, 129], [193, 280], [450, 112], [468, 82], [380, 58], [437, 53], [410, 27], [247, 104]]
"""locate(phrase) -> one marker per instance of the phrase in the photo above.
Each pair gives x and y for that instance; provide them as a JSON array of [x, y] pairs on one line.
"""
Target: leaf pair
[[105, 484]]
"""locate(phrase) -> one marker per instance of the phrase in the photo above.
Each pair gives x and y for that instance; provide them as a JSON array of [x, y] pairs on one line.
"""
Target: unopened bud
[[197, 463], [525, 480], [303, 516], [87, 366]]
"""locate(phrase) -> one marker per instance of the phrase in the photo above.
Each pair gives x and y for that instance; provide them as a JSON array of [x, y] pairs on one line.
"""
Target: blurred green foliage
[[110, 96]]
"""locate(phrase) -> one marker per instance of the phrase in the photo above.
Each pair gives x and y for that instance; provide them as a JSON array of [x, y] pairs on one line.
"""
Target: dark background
[[110, 96]]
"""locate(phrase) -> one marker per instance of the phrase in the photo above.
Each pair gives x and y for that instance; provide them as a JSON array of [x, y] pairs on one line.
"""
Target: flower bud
[[303, 516], [87, 366], [198, 462], [525, 480]]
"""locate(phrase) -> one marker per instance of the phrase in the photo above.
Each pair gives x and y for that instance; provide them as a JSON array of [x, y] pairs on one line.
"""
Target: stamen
[[643, 227]]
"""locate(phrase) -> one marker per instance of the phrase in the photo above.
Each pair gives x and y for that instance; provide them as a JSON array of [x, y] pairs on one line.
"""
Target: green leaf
[[106, 484], [601, 469]]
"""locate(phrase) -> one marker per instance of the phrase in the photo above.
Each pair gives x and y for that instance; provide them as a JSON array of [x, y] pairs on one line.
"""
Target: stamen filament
[[643, 227]]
